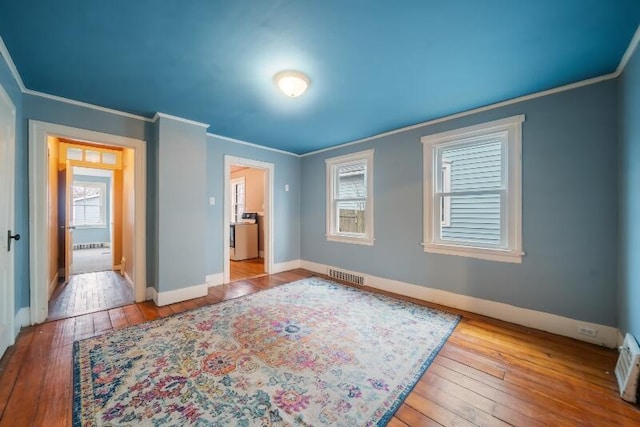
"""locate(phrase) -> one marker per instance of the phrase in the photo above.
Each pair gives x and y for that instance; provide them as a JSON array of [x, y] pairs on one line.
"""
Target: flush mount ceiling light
[[292, 83]]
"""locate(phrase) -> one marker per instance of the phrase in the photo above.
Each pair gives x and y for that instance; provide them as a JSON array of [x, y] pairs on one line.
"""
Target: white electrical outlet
[[585, 330]]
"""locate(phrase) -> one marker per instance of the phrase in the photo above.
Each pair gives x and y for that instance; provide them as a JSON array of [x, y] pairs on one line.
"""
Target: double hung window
[[350, 198], [89, 205], [472, 191]]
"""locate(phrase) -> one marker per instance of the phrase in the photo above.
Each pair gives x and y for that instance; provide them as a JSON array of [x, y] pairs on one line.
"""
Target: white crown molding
[[560, 325], [84, 104], [559, 89], [623, 62], [250, 144], [12, 66], [629, 52], [159, 115]]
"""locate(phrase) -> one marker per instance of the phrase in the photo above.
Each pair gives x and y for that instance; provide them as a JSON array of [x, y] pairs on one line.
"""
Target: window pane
[[92, 156], [351, 181], [474, 219], [92, 215], [78, 193], [78, 215], [87, 205], [351, 217], [476, 166], [74, 154], [109, 158]]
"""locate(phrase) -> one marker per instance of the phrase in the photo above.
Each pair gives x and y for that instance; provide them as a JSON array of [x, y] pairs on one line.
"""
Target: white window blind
[[89, 204]]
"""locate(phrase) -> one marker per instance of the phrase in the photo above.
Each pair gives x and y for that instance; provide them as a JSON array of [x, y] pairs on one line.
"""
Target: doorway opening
[[126, 158], [246, 242], [248, 218], [89, 194]]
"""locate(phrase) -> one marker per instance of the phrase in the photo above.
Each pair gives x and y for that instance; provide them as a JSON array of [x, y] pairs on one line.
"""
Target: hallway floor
[[88, 293], [91, 260], [246, 269]]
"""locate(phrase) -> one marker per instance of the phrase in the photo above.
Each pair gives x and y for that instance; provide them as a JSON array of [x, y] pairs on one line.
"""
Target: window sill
[[500, 255], [89, 227], [349, 239]]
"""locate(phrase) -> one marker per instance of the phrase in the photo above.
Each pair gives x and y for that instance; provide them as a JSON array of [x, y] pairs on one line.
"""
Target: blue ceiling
[[375, 66]]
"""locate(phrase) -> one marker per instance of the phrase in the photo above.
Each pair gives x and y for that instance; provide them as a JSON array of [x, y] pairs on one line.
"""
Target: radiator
[[345, 276], [628, 369]]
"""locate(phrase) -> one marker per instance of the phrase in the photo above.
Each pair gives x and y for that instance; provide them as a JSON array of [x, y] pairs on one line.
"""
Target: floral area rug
[[311, 352]]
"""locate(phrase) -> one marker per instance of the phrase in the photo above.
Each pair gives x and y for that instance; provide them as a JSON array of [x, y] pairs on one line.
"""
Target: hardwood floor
[[489, 373], [89, 292], [246, 269]]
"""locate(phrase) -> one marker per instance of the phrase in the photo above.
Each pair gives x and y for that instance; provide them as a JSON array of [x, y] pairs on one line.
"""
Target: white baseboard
[[22, 319], [53, 284], [171, 297], [620, 339], [215, 279], [151, 293], [607, 335], [261, 254], [129, 281], [285, 266]]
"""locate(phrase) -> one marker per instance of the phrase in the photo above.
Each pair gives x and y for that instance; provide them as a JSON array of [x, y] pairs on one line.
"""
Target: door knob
[[16, 237]]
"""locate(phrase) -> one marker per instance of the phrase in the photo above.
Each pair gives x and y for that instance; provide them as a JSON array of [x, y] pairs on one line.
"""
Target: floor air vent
[[628, 369], [346, 276]]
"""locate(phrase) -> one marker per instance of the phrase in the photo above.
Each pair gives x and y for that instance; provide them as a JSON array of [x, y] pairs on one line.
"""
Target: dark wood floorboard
[[489, 373], [89, 293]]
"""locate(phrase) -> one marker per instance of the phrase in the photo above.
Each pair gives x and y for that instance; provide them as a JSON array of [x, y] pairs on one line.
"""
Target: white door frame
[[268, 169], [39, 231], [8, 305]]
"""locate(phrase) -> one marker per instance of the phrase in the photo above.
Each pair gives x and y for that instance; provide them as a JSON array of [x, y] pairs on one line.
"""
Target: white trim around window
[[505, 189], [362, 196]]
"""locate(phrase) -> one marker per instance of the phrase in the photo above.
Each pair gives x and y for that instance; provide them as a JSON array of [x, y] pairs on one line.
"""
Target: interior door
[[69, 223], [7, 245]]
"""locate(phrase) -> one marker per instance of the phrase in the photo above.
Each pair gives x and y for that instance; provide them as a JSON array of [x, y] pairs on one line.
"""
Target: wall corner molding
[[286, 266], [629, 52], [22, 319], [179, 295], [12, 66], [216, 279], [160, 115]]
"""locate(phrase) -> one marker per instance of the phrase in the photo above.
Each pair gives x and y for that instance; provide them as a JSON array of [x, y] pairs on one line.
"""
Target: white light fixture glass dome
[[292, 83]]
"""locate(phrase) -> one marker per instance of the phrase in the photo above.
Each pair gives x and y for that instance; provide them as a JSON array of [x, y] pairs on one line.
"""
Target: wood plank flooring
[[89, 292], [246, 269], [489, 373]]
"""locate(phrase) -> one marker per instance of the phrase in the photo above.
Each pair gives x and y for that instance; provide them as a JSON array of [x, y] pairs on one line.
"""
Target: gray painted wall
[[95, 234], [569, 196], [47, 110], [629, 285], [182, 165], [569, 211], [286, 233]]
